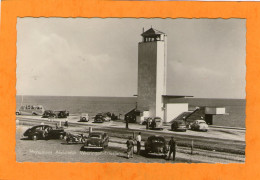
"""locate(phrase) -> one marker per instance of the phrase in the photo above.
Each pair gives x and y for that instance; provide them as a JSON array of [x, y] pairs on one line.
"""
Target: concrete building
[[152, 70], [152, 61], [152, 100]]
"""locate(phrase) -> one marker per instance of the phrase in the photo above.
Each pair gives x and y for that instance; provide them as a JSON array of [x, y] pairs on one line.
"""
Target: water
[[81, 104], [235, 108]]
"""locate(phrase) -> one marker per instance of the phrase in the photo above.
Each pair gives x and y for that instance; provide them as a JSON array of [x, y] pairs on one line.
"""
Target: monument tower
[[152, 62]]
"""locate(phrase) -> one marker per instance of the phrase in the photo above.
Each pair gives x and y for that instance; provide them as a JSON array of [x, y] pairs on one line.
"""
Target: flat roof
[[176, 96]]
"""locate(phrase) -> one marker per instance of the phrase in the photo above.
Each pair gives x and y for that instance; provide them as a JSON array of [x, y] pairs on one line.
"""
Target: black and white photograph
[[131, 90]]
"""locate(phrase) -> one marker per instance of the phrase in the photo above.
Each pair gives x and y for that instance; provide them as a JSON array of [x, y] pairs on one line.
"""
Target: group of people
[[130, 146]]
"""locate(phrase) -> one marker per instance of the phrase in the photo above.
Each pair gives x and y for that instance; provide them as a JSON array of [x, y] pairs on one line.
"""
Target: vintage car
[[156, 145], [107, 118], [84, 117], [199, 125], [99, 118], [96, 140], [44, 132], [74, 138], [61, 114], [30, 110], [178, 125], [156, 123], [48, 114]]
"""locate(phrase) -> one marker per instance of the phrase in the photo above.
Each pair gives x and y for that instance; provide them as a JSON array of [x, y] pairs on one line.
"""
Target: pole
[[90, 130], [126, 124], [191, 146]]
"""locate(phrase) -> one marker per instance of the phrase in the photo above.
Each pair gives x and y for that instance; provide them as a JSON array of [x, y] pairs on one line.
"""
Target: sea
[[235, 108], [80, 104]]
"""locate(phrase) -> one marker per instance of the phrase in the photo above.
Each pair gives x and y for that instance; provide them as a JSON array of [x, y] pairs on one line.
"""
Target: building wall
[[161, 78], [173, 110], [235, 109], [151, 77]]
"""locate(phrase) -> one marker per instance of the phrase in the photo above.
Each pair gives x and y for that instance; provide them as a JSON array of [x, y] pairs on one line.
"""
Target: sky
[[99, 57]]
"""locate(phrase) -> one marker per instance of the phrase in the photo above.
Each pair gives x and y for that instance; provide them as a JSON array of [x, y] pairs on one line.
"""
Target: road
[[60, 151], [216, 139]]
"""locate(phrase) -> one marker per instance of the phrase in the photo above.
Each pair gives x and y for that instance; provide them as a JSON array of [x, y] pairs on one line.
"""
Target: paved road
[[60, 151], [215, 139]]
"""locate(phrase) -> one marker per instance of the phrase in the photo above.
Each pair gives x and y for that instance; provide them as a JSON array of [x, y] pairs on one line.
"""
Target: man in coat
[[172, 145]]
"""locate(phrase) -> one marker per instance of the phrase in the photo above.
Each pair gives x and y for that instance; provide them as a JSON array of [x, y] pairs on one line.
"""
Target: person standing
[[138, 140], [66, 124], [172, 144], [130, 147]]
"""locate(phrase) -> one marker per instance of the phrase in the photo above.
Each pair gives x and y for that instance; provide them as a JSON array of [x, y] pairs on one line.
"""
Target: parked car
[[48, 114], [156, 123], [30, 110], [44, 132], [156, 145], [107, 118], [96, 140], [178, 125], [84, 117], [61, 114], [146, 120], [199, 125], [75, 138], [99, 118]]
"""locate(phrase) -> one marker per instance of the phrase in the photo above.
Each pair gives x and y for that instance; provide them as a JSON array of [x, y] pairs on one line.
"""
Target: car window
[[202, 123], [38, 128], [95, 136], [161, 140]]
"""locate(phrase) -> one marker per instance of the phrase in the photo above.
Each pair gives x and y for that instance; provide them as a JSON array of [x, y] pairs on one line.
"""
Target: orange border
[[11, 9]]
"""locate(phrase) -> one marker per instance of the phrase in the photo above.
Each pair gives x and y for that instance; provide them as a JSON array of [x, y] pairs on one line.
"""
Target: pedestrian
[[66, 124], [130, 147], [172, 144], [138, 140], [57, 126]]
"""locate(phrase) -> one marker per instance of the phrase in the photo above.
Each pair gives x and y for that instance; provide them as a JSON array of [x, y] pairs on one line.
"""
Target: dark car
[[156, 145], [61, 114], [44, 132], [99, 118], [178, 125], [48, 114], [96, 140]]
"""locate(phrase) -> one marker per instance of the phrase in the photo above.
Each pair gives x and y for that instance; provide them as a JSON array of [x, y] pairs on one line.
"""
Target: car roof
[[40, 126], [155, 136]]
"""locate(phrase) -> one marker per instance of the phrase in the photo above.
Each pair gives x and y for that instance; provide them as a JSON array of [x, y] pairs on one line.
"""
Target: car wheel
[[34, 137]]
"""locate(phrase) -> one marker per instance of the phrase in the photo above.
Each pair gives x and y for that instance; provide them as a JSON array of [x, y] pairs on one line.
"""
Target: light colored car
[[84, 117], [199, 125], [156, 123]]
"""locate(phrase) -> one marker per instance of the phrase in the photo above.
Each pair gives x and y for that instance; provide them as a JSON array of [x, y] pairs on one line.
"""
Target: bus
[[30, 110]]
